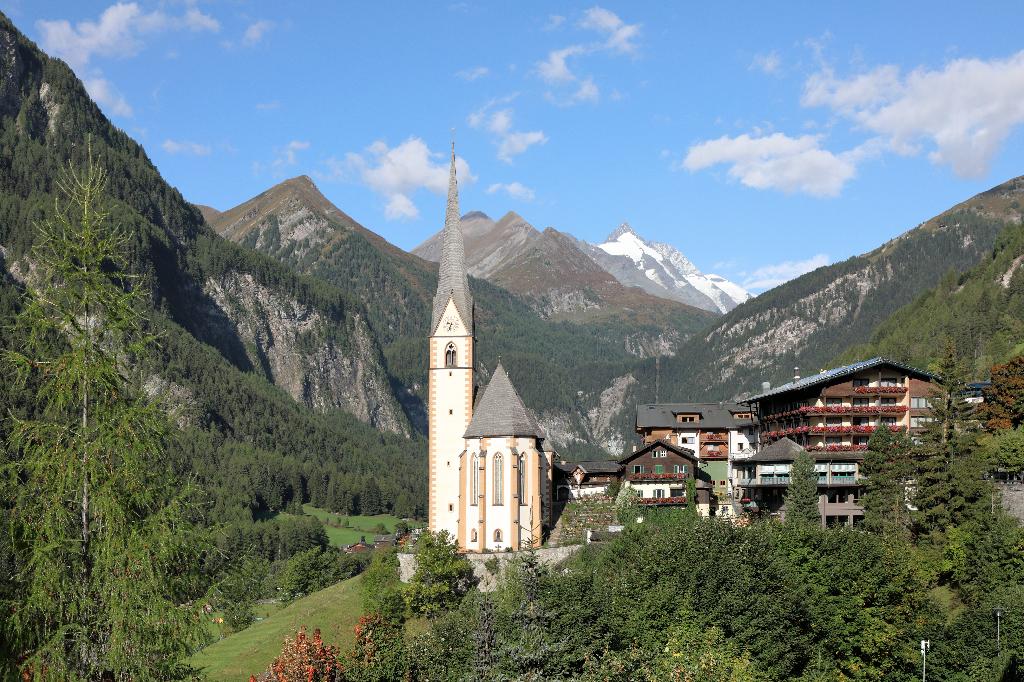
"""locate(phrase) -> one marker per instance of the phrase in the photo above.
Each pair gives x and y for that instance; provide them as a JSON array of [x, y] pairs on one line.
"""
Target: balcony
[[847, 428], [678, 499], [650, 476], [722, 437], [881, 390], [837, 448]]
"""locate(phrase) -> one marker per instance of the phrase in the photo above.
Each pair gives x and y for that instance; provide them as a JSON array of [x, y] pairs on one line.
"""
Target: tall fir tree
[[946, 479], [887, 464], [802, 493], [105, 557]]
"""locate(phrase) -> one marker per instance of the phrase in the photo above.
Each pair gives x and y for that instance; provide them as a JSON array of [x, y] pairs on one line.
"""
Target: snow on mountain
[[660, 269]]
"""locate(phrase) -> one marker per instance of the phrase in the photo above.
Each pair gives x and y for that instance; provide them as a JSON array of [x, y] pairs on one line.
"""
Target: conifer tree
[[886, 466], [104, 554], [802, 494], [942, 478]]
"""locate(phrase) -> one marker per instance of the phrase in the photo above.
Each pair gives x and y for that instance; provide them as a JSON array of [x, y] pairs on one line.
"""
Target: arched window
[[474, 496], [449, 355], [472, 536], [499, 479], [497, 535], [521, 476]]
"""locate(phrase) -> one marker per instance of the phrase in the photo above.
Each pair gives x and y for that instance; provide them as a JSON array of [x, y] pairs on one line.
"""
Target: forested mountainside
[[574, 374], [980, 311], [808, 321], [271, 375]]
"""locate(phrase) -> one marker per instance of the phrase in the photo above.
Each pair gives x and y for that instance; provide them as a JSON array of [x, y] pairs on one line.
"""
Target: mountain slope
[[552, 271], [662, 270], [807, 321], [238, 329], [981, 311]]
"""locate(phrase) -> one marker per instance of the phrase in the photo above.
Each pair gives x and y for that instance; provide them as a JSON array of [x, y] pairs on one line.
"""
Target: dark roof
[[566, 467], [602, 466], [501, 412], [786, 450], [836, 373], [712, 415], [452, 282], [684, 452]]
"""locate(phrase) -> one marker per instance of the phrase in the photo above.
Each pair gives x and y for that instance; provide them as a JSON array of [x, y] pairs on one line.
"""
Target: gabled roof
[[786, 450], [600, 466], [683, 452], [711, 415], [452, 282], [501, 412], [837, 373]]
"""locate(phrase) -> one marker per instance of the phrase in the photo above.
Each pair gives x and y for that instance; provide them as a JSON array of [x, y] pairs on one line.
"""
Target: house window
[[683, 418], [888, 421], [659, 468], [860, 440], [919, 403], [520, 480], [659, 492], [918, 422], [861, 421], [834, 402], [860, 382], [834, 440], [678, 468], [888, 401], [497, 535], [499, 479], [861, 402], [676, 492], [686, 439], [638, 468], [892, 381], [449, 355], [834, 421]]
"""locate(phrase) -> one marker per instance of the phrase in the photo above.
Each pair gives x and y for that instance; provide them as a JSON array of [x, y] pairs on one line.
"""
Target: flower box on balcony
[[648, 476], [893, 390], [837, 448]]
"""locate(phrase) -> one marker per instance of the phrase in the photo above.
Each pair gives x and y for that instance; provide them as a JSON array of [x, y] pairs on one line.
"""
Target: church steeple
[[452, 281]]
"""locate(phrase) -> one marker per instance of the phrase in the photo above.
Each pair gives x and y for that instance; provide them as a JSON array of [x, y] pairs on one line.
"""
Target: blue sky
[[759, 140]]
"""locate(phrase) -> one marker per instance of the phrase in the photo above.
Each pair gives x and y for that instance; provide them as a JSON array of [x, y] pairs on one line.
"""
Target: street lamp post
[[998, 611], [925, 646]]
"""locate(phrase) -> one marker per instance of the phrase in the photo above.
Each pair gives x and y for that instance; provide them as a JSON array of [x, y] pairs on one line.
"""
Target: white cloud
[[555, 68], [620, 35], [964, 111], [553, 22], [185, 147], [268, 106], [117, 32], [255, 32], [474, 73], [769, 63], [398, 172], [107, 96], [511, 143], [777, 161], [586, 92], [768, 276], [516, 190], [288, 155]]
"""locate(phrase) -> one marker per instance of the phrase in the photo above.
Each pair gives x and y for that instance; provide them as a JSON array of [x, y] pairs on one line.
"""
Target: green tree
[[945, 472], [382, 591], [802, 493], [105, 551], [442, 575], [1006, 450], [886, 466], [691, 497], [697, 653]]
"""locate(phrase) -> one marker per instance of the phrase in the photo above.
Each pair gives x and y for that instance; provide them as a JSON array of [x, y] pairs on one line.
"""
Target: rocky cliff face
[[292, 344]]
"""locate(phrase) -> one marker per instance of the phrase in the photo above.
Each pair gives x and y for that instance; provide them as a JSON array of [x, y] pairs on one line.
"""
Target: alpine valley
[[291, 334]]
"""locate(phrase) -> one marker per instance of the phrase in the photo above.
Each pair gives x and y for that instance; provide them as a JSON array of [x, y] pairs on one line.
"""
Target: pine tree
[[943, 458], [886, 466], [105, 556], [802, 494]]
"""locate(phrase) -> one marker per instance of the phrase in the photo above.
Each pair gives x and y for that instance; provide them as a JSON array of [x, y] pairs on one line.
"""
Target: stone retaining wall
[[488, 581]]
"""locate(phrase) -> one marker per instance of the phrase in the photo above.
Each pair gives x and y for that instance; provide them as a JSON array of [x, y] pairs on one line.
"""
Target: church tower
[[450, 373]]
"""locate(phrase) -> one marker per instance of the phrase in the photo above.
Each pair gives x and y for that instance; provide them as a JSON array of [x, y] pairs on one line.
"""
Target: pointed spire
[[452, 281]]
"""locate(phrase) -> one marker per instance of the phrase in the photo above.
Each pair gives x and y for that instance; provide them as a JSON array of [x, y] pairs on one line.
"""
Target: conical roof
[[452, 281], [501, 412]]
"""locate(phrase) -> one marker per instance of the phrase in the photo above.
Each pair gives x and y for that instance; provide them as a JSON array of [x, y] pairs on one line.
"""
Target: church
[[490, 476]]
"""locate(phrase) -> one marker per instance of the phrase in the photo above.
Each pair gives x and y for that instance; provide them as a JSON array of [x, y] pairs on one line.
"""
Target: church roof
[[501, 412], [452, 281]]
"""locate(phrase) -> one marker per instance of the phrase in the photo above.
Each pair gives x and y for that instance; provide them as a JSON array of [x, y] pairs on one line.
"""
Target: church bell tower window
[[450, 356]]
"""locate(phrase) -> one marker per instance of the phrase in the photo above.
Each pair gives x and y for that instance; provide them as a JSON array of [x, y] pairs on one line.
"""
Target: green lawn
[[335, 610], [358, 526]]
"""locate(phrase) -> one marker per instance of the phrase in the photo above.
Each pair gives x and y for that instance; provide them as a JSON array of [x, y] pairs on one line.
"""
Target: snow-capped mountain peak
[[661, 269]]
